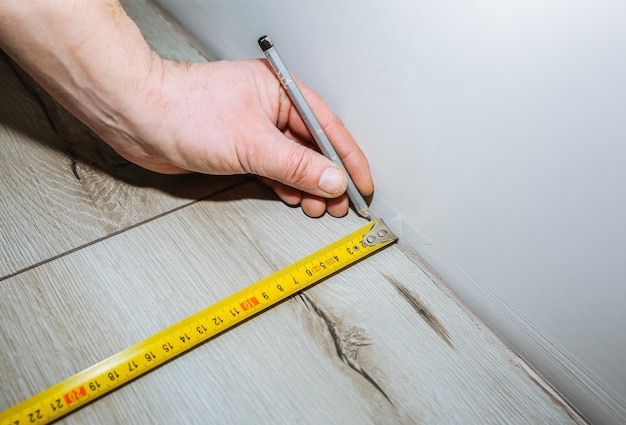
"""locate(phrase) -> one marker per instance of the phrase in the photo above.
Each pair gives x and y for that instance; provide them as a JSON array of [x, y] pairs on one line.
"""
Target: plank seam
[[117, 232]]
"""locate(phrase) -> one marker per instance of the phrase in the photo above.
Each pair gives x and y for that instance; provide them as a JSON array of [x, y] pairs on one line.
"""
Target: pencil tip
[[365, 213]]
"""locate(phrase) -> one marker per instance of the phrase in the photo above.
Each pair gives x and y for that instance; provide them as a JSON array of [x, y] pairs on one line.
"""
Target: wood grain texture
[[61, 186], [377, 343]]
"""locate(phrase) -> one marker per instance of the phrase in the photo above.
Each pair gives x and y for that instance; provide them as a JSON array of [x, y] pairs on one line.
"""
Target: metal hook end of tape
[[378, 234]]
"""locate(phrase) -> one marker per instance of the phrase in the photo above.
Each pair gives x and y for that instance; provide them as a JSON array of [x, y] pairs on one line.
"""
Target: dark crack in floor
[[346, 343], [414, 301]]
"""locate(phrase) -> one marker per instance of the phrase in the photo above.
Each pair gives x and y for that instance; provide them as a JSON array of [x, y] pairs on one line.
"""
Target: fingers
[[294, 165], [313, 206], [351, 155], [349, 152], [287, 194], [337, 207]]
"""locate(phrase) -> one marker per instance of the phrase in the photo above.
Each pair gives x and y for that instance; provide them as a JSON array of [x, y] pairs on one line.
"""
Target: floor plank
[[61, 186], [377, 343]]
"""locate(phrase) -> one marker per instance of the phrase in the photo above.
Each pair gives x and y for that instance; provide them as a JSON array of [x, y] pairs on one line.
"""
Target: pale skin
[[227, 117]]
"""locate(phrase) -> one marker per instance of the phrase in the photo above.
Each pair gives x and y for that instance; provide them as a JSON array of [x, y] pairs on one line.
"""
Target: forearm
[[89, 55]]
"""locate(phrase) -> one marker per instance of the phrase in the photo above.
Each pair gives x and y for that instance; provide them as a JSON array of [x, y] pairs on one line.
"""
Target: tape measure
[[119, 369]]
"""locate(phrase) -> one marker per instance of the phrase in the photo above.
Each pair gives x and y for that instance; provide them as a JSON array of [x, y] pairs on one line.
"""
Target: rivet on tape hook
[[378, 234]]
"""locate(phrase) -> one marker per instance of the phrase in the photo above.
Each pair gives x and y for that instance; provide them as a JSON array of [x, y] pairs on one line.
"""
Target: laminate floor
[[98, 254]]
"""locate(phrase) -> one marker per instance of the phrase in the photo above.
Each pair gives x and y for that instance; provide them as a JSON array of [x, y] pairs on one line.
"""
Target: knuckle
[[299, 168]]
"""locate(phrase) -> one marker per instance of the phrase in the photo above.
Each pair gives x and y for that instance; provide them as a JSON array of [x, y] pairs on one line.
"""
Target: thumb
[[300, 167]]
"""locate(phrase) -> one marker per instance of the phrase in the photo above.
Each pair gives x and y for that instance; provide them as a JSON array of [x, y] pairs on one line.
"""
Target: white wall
[[496, 132]]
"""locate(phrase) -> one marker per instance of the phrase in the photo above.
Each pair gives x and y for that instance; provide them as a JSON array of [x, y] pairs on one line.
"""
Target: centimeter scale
[[119, 369]]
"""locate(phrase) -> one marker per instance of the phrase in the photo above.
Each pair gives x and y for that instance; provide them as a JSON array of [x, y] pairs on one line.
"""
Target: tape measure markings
[[123, 367]]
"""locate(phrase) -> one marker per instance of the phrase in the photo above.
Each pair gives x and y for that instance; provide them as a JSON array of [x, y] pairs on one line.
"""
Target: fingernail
[[332, 180]]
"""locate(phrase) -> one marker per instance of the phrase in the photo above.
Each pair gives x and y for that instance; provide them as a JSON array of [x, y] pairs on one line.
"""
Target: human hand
[[233, 117], [228, 117]]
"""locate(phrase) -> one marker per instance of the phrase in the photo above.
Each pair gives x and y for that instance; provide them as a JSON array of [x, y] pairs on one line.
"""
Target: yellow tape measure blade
[[121, 368]]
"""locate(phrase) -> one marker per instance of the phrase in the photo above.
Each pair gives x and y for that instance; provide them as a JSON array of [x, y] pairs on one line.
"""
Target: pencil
[[320, 137]]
